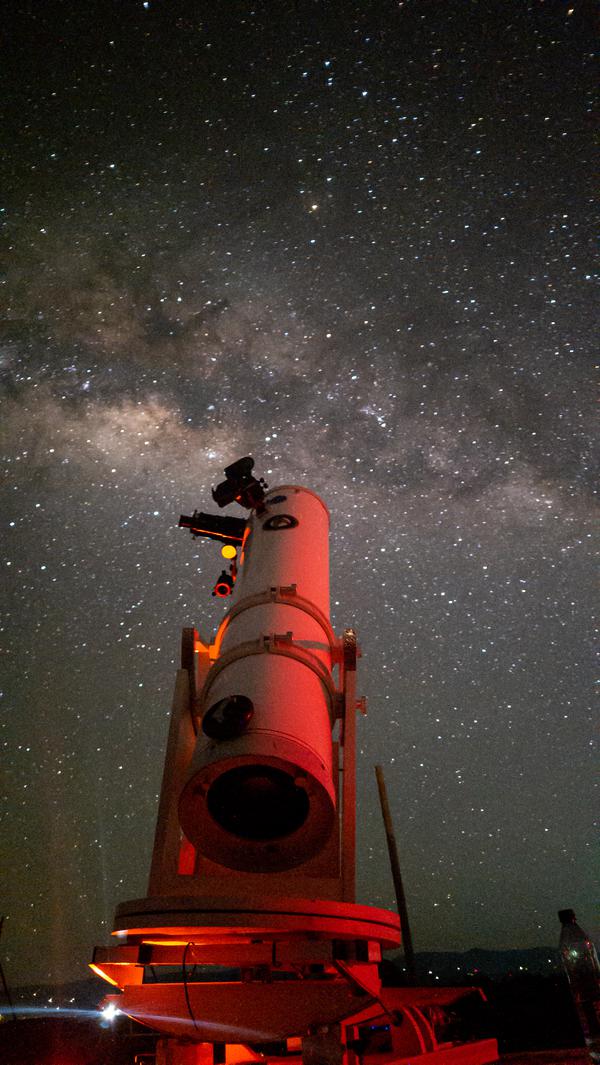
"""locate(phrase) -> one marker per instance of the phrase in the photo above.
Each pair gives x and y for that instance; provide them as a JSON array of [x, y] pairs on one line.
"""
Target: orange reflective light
[[167, 942], [244, 539], [103, 976], [215, 648], [228, 551]]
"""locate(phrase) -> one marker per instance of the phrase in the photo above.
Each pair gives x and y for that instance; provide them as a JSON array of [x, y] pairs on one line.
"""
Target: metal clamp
[[286, 594], [273, 644]]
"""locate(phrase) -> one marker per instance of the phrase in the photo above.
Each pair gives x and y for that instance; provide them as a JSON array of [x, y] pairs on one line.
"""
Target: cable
[[185, 984]]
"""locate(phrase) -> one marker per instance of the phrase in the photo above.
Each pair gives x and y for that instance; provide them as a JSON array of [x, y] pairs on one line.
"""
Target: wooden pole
[[348, 825], [409, 955], [4, 983]]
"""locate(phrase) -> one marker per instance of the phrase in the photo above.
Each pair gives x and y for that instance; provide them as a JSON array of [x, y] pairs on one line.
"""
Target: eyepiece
[[224, 585]]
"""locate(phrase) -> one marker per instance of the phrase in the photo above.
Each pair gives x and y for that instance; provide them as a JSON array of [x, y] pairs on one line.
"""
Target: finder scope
[[219, 527]]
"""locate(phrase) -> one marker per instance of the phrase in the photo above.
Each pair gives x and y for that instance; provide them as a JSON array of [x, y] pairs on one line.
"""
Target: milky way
[[354, 242]]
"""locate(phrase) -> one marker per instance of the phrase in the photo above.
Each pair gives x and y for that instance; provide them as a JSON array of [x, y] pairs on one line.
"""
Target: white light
[[110, 1012]]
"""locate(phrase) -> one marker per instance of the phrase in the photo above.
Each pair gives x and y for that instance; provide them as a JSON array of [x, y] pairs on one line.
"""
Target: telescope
[[250, 933], [270, 786]]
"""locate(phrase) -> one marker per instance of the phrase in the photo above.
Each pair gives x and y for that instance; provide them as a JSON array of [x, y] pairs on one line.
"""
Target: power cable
[[186, 986]]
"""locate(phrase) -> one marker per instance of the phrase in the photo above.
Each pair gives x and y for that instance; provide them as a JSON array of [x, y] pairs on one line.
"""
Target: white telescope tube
[[260, 792]]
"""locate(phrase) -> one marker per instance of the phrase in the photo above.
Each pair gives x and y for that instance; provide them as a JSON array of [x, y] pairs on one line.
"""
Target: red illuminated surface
[[272, 912]]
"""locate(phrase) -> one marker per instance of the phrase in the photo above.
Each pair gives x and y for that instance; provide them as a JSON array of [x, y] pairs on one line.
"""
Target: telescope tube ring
[[288, 597], [274, 645]]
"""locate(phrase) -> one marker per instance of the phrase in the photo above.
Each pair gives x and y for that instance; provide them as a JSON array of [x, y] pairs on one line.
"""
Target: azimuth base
[[273, 969]]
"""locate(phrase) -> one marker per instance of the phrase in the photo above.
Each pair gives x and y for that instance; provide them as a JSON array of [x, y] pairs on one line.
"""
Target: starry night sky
[[352, 240]]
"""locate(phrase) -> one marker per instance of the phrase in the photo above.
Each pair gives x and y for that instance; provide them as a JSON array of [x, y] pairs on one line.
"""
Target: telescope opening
[[258, 802]]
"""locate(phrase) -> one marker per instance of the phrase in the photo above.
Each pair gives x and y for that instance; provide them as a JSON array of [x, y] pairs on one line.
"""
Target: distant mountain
[[454, 967], [78, 996]]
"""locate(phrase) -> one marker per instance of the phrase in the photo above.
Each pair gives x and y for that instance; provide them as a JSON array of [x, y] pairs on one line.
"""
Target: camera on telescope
[[241, 486]]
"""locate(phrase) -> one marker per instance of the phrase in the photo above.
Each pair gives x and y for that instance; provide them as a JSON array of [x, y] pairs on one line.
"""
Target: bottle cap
[[566, 916]]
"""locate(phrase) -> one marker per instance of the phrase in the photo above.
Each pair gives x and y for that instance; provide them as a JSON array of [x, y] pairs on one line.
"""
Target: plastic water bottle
[[580, 962]]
